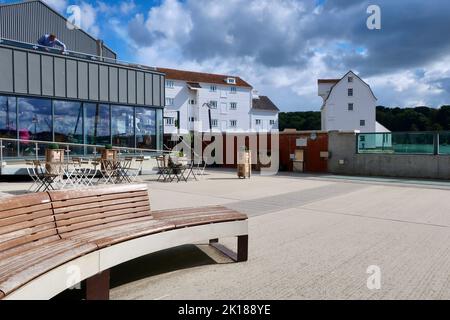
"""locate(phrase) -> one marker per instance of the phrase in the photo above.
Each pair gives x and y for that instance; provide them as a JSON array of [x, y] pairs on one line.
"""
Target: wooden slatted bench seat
[[47, 238]]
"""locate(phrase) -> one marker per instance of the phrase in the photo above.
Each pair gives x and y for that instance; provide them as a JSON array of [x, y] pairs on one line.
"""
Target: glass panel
[[35, 119], [146, 128], [444, 143], [96, 124], [68, 123], [403, 143], [122, 124], [159, 129], [8, 125]]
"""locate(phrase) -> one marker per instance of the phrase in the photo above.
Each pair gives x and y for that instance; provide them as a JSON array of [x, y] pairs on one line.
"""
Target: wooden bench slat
[[26, 225], [6, 221], [10, 204], [61, 204], [135, 213], [102, 213], [69, 234], [98, 204], [28, 246], [26, 239], [114, 235], [29, 272], [25, 210], [115, 189]]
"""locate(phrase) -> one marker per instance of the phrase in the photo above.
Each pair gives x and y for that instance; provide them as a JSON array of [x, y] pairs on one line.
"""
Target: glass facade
[[75, 122]]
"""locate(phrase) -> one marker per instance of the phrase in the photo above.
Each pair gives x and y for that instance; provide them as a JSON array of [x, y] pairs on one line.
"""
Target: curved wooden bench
[[54, 240]]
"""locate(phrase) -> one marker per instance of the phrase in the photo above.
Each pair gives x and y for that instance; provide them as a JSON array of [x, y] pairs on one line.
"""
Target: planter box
[[109, 154], [56, 156], [244, 167]]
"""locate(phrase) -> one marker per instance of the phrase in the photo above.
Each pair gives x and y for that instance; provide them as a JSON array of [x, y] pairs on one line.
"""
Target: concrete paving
[[311, 237]]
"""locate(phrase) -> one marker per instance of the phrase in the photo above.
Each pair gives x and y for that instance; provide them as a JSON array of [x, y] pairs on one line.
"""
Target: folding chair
[[163, 169], [37, 182], [133, 172]]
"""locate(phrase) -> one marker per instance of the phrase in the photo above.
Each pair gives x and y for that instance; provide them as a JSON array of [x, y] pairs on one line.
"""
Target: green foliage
[[395, 119], [53, 146], [108, 146]]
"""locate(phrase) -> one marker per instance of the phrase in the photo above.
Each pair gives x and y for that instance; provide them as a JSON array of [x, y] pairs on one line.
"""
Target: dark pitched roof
[[345, 76], [328, 80], [264, 104], [190, 76]]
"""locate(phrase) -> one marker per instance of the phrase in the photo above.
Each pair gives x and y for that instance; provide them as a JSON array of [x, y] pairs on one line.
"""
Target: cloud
[[283, 46], [58, 5], [89, 19]]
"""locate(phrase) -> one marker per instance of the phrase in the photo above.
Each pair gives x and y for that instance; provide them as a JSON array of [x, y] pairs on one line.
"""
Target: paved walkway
[[311, 237]]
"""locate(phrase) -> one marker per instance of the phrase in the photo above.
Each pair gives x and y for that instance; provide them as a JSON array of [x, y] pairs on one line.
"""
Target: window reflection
[[68, 122], [146, 128], [122, 125], [8, 125], [96, 124], [35, 119]]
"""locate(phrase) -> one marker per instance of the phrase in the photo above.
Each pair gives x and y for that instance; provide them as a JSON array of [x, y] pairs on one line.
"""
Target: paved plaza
[[311, 237]]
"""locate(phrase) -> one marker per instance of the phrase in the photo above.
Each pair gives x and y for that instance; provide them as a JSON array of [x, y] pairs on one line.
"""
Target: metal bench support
[[97, 287], [242, 249]]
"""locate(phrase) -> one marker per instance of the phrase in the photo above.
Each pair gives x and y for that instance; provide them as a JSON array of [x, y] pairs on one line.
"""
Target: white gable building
[[349, 104]]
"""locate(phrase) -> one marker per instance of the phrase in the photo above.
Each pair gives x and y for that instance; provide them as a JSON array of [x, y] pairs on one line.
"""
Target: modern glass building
[[73, 98]]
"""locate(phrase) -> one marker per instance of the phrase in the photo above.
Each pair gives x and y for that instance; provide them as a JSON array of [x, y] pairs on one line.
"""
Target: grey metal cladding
[[72, 78], [40, 19], [104, 85], [156, 90], [131, 86], [123, 97], [140, 99], [93, 81], [113, 84], [47, 75], [20, 72], [34, 73], [6, 70], [60, 77], [163, 91], [82, 80], [148, 88]]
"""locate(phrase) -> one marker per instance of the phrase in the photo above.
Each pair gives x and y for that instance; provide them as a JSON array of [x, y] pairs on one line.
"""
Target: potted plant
[[244, 165], [108, 153], [53, 154]]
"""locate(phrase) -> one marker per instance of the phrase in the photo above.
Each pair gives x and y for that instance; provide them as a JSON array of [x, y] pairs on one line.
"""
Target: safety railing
[[19, 149], [74, 54], [431, 143]]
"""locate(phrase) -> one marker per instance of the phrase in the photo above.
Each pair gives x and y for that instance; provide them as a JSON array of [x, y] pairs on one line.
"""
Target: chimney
[[100, 48]]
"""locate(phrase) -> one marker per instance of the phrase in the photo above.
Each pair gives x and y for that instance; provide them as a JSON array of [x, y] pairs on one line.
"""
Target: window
[[35, 119], [350, 79], [272, 122], [258, 122], [362, 123], [169, 121], [96, 124], [214, 123], [233, 89], [170, 102], [231, 80], [68, 121], [170, 84], [122, 124], [191, 101], [8, 125], [350, 107], [350, 92], [233, 123], [191, 119], [233, 106], [213, 104], [146, 128], [213, 88]]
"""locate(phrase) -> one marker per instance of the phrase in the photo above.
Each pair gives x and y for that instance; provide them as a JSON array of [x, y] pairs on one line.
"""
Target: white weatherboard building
[[349, 104], [234, 105]]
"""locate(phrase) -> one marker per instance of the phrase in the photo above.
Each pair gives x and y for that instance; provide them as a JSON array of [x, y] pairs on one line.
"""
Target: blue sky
[[283, 46]]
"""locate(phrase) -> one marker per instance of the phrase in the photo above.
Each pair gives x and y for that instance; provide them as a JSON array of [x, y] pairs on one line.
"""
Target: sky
[[282, 47]]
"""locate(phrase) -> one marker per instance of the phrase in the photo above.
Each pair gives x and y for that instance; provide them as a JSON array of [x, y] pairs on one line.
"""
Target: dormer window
[[231, 80]]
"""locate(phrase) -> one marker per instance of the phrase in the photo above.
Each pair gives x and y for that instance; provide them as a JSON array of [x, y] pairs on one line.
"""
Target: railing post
[[36, 147]]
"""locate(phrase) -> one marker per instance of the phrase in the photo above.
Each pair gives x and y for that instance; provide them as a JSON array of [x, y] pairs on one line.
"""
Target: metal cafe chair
[[32, 172], [163, 169], [134, 171]]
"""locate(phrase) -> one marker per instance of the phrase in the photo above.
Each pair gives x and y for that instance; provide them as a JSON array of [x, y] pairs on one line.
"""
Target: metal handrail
[[68, 145], [75, 54]]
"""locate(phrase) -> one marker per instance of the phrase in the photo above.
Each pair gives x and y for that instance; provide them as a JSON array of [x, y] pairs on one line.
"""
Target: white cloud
[[89, 19], [58, 5]]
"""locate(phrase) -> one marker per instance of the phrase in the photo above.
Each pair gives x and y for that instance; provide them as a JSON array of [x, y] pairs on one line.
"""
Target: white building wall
[[265, 117], [335, 113], [223, 114]]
